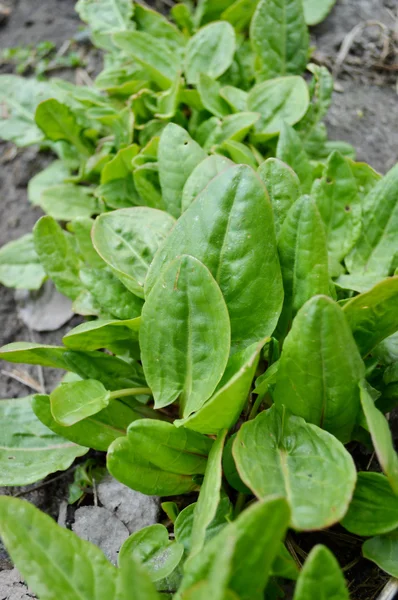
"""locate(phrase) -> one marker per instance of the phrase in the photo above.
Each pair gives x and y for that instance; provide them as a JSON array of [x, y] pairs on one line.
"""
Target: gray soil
[[364, 112]]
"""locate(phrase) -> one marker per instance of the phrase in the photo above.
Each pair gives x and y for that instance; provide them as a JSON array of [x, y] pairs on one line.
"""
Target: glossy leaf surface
[[318, 373], [321, 577], [229, 228], [184, 335], [210, 51], [283, 455], [73, 402]]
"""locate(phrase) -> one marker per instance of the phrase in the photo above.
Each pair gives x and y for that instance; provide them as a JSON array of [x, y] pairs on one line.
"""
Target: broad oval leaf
[[317, 10], [373, 316], [222, 410], [279, 37], [20, 265], [29, 451], [107, 15], [303, 255], [321, 577], [34, 354], [97, 431], [101, 333], [57, 256], [209, 92], [282, 454], [152, 548], [383, 550], [153, 54], [158, 459], [375, 248], [58, 122], [374, 506], [280, 100], [73, 402], [127, 239], [210, 51], [229, 228], [381, 437], [338, 202], [283, 187], [201, 176], [318, 372], [175, 141], [186, 303]]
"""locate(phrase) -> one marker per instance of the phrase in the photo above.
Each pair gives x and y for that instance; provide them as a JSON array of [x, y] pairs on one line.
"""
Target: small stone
[[12, 586], [100, 527], [134, 509]]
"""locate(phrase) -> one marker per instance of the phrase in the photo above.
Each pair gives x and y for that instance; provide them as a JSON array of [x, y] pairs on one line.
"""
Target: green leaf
[[321, 577], [277, 453], [239, 13], [233, 208], [56, 563], [209, 496], [201, 176], [58, 122], [210, 50], [184, 522], [236, 98], [73, 402], [152, 548], [209, 10], [158, 26], [303, 255], [373, 316], [365, 176], [54, 174], [375, 249], [381, 438], [374, 506], [113, 372], [317, 10], [319, 373], [120, 166], [175, 141], [110, 294], [223, 409], [279, 37], [383, 550], [19, 96], [127, 240], [291, 151], [188, 302], [253, 554], [158, 459], [357, 283], [97, 431], [105, 15], [68, 201], [209, 91], [28, 450], [81, 228], [20, 266], [57, 256], [233, 127], [34, 354], [101, 333], [169, 100], [280, 100], [339, 204], [283, 187], [159, 62], [118, 193], [239, 153]]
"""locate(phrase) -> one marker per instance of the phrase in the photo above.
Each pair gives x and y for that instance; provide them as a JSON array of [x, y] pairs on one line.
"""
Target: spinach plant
[[240, 279]]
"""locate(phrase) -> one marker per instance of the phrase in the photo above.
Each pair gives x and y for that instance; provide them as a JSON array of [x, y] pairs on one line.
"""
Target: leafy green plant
[[240, 272]]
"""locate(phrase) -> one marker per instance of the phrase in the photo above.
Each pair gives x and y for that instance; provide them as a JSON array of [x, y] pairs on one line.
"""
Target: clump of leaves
[[240, 272]]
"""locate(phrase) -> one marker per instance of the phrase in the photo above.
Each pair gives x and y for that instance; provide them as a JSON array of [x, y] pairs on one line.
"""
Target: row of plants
[[236, 271]]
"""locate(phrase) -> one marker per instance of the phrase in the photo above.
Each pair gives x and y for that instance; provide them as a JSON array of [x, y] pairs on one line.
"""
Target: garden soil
[[364, 112]]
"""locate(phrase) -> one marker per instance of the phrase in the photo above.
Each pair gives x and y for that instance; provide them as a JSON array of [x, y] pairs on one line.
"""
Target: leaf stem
[[130, 392], [255, 408], [240, 503]]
